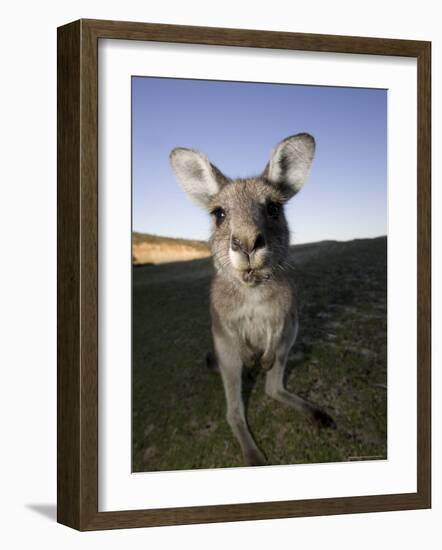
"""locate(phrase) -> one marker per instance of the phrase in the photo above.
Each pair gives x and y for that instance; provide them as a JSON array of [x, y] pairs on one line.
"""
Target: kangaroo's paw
[[323, 419], [268, 360]]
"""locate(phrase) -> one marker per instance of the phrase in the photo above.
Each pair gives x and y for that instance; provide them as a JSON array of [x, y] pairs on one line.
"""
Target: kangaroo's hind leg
[[230, 366], [274, 387]]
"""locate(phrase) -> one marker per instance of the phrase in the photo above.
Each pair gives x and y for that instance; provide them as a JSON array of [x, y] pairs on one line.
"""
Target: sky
[[237, 124]]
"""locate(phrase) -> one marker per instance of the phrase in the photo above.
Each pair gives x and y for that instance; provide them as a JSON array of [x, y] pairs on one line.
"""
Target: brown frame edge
[[77, 251]]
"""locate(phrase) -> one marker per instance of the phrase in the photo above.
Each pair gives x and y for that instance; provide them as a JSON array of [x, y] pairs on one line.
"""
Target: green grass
[[338, 362]]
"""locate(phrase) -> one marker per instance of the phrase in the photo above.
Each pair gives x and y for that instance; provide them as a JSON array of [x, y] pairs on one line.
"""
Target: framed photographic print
[[243, 274]]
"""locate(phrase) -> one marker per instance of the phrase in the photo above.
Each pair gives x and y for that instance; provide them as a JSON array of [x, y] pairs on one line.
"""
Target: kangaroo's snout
[[247, 250], [247, 246]]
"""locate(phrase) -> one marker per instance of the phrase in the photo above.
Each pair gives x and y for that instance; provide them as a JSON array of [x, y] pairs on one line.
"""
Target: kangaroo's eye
[[219, 215], [274, 209]]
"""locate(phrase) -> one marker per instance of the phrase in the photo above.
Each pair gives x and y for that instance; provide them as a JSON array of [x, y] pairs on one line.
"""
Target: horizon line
[[290, 244]]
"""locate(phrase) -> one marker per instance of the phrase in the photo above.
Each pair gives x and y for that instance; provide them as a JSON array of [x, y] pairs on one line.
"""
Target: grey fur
[[253, 302]]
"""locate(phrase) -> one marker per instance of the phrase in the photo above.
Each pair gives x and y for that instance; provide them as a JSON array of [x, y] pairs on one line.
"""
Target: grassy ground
[[338, 362]]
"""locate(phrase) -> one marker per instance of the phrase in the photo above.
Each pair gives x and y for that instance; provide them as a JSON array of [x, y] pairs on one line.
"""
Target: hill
[[152, 249]]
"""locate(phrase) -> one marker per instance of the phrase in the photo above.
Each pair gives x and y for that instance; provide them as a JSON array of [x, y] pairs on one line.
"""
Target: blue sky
[[237, 125]]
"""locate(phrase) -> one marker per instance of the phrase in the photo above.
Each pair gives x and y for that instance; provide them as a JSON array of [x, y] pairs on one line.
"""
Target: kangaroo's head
[[250, 236]]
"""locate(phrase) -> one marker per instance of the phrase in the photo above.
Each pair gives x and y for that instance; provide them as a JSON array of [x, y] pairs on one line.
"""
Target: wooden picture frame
[[77, 459]]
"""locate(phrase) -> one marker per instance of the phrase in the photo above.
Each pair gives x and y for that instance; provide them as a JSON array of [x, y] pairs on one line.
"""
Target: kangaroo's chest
[[258, 323], [253, 320]]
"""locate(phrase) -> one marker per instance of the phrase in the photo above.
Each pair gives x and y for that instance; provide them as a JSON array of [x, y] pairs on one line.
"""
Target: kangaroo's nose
[[245, 246], [235, 244]]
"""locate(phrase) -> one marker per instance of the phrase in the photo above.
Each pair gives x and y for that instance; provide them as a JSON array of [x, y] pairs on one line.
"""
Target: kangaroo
[[253, 300]]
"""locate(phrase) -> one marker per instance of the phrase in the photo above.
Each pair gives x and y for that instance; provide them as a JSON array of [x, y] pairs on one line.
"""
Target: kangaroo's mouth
[[253, 277]]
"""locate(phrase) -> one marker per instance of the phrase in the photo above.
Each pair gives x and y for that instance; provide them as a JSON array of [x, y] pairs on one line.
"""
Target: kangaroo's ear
[[290, 163], [198, 177]]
